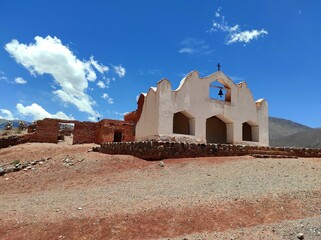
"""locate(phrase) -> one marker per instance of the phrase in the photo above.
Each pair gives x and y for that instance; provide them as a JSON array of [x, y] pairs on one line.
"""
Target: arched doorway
[[250, 132], [183, 123], [216, 131], [246, 132]]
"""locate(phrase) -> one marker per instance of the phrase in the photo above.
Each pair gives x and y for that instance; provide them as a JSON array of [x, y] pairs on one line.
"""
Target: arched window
[[219, 91]]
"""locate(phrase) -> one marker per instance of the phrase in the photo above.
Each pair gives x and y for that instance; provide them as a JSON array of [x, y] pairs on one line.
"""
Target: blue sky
[[90, 59]]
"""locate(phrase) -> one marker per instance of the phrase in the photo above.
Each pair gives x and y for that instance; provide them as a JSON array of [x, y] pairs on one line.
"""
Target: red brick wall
[[107, 127], [47, 130], [84, 132], [135, 115]]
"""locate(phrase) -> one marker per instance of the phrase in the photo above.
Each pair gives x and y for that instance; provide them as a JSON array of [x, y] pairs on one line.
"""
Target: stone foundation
[[11, 141], [150, 150]]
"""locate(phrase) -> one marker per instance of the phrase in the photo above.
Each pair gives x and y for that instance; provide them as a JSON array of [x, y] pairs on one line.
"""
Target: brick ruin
[[50, 131]]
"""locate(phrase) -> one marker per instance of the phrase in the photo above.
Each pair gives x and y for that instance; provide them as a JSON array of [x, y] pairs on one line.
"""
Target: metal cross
[[218, 67]]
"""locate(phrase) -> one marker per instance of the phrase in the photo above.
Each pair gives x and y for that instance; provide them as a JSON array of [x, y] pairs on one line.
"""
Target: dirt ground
[[80, 194], [15, 131]]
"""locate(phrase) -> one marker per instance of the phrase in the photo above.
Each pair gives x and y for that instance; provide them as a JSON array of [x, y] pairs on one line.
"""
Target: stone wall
[[17, 139], [161, 150], [11, 141]]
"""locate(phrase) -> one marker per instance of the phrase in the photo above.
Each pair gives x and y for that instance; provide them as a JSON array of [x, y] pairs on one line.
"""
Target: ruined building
[[193, 112]]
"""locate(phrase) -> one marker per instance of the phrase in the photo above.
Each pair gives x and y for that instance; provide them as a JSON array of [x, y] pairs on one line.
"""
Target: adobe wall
[[135, 115], [47, 130], [84, 132], [107, 127], [162, 150], [192, 98]]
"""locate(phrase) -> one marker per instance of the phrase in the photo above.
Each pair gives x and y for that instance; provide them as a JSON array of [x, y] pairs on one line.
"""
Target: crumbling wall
[[47, 130], [106, 129], [161, 150], [135, 115], [84, 132], [31, 128], [11, 141]]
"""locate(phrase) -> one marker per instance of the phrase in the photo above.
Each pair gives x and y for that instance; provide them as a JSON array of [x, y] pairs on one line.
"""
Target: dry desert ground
[[75, 193]]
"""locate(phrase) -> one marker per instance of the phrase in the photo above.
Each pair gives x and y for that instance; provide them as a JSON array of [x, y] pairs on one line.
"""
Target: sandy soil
[[80, 194]]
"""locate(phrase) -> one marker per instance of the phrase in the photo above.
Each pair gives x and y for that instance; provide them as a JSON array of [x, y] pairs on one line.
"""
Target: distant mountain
[[3, 123], [279, 127], [286, 133], [308, 139]]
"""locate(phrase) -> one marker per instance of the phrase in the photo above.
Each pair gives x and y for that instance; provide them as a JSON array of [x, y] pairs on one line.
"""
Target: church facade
[[212, 109]]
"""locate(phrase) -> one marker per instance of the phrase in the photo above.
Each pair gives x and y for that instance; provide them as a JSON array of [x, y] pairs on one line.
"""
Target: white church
[[212, 109]]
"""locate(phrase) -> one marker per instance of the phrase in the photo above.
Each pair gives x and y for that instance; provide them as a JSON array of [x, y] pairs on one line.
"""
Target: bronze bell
[[220, 93]]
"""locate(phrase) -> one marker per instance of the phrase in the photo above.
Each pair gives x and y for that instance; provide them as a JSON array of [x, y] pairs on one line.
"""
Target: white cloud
[[109, 99], [150, 72], [187, 50], [82, 101], [49, 56], [217, 13], [3, 78], [101, 84], [99, 67], [36, 112], [120, 114], [245, 36], [6, 114], [20, 80], [120, 70], [234, 33], [92, 118], [194, 46]]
